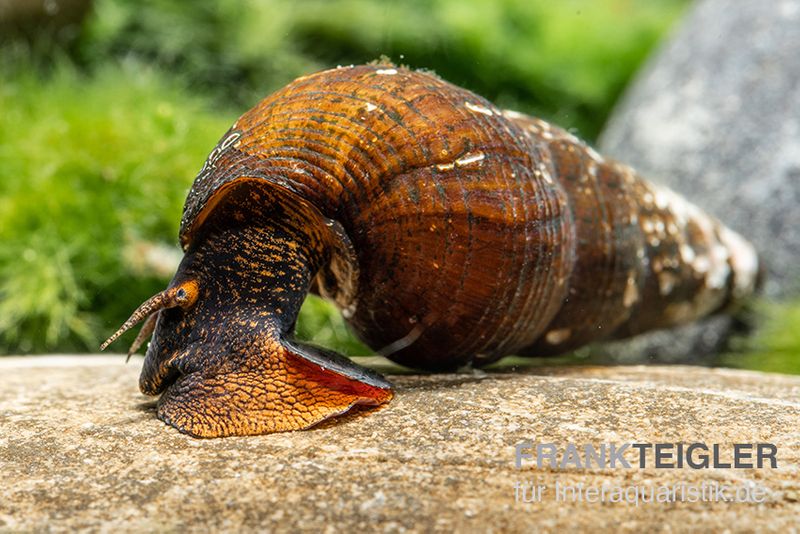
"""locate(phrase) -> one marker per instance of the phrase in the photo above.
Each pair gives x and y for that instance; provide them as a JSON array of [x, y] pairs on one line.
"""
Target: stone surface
[[716, 116], [81, 448]]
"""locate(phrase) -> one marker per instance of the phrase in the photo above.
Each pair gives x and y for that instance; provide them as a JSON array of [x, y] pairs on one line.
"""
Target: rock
[[716, 116], [80, 448]]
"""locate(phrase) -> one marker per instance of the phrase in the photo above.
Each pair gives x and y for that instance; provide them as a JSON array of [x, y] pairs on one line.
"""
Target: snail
[[448, 232]]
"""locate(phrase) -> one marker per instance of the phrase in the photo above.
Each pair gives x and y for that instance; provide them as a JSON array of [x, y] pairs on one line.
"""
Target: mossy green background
[[101, 134]]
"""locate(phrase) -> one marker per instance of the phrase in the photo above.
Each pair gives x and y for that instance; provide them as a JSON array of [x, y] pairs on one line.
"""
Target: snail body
[[448, 232]]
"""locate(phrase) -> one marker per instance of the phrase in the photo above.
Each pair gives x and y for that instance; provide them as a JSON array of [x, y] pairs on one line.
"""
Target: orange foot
[[293, 387]]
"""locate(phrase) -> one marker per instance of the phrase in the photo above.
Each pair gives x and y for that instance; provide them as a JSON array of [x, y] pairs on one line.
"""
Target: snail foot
[[294, 387]]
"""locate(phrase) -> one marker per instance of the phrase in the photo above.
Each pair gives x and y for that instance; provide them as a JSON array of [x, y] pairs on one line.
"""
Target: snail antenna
[[145, 332], [147, 309]]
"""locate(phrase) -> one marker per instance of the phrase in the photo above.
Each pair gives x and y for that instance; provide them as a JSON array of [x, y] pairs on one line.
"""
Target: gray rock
[[716, 116], [81, 449]]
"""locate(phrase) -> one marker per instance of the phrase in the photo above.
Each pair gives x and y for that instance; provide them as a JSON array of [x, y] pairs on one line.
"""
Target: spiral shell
[[466, 232]]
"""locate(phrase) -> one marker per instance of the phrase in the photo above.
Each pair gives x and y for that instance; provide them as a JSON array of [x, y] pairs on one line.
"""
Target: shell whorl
[[476, 232]]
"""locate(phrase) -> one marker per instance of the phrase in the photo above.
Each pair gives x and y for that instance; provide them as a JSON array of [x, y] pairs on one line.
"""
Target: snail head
[[222, 353]]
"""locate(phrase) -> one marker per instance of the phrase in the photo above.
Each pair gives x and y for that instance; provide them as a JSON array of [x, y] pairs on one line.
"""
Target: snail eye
[[186, 294]]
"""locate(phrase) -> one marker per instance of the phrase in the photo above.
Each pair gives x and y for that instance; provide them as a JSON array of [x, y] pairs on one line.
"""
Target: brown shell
[[464, 232]]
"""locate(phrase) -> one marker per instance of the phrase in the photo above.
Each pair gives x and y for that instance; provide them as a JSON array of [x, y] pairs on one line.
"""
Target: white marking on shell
[[532, 128], [681, 208], [662, 199], [387, 72], [591, 170], [511, 114], [470, 158], [370, 106], [560, 335], [230, 140], [631, 294], [744, 261], [627, 172], [568, 136], [211, 161], [593, 154], [720, 270], [477, 108], [445, 166], [701, 264], [544, 173], [714, 263], [687, 253], [666, 283]]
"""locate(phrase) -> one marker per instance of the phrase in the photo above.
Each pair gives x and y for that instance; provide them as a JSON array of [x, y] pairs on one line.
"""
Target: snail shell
[[495, 231], [452, 232]]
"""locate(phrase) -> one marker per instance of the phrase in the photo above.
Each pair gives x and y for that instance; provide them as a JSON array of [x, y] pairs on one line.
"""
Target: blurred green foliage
[[321, 323], [89, 165], [100, 140], [566, 60], [775, 347]]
